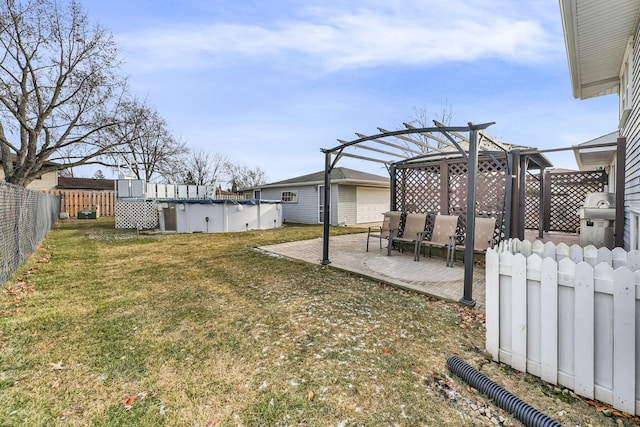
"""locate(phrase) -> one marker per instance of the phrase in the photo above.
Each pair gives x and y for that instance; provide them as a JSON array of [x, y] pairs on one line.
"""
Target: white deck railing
[[568, 315]]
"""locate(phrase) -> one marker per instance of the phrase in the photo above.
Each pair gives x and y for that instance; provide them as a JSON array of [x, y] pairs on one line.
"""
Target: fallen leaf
[[128, 402], [386, 351], [212, 422], [56, 366], [311, 396], [56, 383]]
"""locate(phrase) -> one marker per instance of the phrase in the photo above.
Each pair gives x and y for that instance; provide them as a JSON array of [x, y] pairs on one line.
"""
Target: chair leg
[[367, 242]]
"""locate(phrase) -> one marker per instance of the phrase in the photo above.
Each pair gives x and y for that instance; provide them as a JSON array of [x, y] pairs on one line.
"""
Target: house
[[85, 184], [593, 155], [48, 181], [356, 197], [603, 50]]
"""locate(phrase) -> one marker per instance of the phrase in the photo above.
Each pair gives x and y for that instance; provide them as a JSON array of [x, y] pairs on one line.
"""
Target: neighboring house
[[85, 184], [356, 197], [48, 181], [599, 158], [603, 49]]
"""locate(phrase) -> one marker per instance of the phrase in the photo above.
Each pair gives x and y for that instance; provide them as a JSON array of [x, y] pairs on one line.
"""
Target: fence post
[[492, 304]]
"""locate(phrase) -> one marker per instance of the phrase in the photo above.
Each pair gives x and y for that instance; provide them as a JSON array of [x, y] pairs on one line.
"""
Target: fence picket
[[619, 258], [549, 321], [562, 251], [519, 313], [591, 255], [525, 248], [576, 253], [584, 342], [505, 292], [534, 314], [604, 255], [633, 260], [537, 248], [624, 303]]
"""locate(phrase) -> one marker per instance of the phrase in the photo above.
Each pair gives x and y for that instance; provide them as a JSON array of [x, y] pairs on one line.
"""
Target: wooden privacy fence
[[72, 201], [568, 315]]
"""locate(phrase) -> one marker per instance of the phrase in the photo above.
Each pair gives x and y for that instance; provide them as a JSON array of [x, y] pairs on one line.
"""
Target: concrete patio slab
[[430, 276]]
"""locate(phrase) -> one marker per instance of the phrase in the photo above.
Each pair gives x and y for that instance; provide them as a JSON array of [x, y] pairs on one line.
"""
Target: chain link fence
[[26, 217]]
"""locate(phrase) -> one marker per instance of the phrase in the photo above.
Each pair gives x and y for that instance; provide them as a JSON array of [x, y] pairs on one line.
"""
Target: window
[[634, 227], [626, 84], [289, 197]]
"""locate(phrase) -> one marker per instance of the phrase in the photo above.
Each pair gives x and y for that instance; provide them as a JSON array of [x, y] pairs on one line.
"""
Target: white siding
[[303, 212], [631, 131]]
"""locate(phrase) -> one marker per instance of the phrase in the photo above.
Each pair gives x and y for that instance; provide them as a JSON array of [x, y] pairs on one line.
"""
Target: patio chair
[[482, 239], [390, 226], [412, 231], [444, 227]]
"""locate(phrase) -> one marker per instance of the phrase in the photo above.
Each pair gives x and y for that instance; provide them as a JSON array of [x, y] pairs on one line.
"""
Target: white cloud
[[331, 39]]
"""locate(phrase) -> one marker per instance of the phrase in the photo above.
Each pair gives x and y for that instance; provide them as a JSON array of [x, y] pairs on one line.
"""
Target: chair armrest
[[374, 228]]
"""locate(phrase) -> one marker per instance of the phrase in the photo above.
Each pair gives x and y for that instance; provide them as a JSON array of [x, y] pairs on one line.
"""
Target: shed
[[358, 197]]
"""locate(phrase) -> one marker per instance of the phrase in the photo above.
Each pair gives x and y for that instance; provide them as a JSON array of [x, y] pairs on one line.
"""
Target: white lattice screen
[[137, 214]]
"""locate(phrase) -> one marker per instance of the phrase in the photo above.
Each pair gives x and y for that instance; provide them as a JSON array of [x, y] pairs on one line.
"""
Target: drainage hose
[[525, 413]]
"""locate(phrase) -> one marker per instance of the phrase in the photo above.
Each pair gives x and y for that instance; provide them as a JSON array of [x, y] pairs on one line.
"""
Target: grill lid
[[600, 200]]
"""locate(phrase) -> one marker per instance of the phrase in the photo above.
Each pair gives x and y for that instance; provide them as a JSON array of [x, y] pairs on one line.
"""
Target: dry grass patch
[[120, 329]]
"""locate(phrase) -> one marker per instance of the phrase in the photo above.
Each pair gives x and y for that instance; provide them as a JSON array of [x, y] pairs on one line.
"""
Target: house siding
[[303, 212], [306, 210], [631, 130], [48, 181]]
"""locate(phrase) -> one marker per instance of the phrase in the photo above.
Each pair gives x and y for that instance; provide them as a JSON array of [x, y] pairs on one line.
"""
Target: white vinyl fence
[[568, 315]]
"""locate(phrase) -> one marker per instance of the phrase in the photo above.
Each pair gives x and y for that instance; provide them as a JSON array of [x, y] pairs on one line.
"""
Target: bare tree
[[199, 167], [59, 88], [242, 176], [422, 118], [148, 148]]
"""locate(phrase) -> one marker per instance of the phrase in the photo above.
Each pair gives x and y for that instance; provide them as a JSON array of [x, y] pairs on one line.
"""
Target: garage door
[[371, 203]]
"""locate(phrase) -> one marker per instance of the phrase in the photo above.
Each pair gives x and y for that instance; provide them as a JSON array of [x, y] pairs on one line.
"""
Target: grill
[[597, 217]]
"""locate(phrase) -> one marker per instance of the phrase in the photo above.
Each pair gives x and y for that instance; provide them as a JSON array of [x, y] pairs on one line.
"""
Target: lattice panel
[[137, 214], [568, 191], [418, 189], [490, 186], [532, 202]]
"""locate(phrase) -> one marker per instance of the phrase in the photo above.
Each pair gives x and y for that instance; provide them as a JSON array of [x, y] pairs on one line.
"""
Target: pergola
[[411, 147]]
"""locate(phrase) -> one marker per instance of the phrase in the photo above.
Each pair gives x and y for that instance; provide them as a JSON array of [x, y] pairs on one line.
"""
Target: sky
[[268, 83]]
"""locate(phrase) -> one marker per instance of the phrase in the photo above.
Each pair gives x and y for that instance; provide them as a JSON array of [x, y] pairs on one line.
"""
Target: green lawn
[[104, 327]]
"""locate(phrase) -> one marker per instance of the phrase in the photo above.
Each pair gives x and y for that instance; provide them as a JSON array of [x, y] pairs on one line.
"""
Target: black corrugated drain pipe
[[524, 412]]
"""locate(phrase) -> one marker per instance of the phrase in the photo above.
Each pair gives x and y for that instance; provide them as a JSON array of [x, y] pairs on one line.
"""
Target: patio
[[429, 276]]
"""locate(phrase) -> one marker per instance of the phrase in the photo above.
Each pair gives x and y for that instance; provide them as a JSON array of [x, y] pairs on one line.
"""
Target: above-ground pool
[[214, 216]]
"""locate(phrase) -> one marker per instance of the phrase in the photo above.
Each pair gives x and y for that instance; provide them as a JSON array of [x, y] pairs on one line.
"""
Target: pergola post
[[326, 212], [392, 187], [467, 297]]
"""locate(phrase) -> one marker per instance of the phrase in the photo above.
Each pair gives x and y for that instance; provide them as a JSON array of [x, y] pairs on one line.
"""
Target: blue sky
[[269, 83]]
